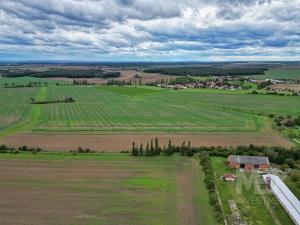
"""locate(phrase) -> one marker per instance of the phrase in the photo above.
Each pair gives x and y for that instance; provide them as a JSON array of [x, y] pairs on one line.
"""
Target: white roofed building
[[287, 199]]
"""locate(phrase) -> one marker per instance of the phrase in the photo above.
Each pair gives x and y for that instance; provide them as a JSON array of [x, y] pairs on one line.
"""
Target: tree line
[[210, 184], [153, 148], [124, 82], [208, 71], [66, 100], [82, 150], [24, 148], [30, 84], [255, 92], [276, 154], [68, 73]]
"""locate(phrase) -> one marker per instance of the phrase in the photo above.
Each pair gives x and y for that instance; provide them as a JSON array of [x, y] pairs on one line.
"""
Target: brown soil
[[44, 192], [118, 142], [146, 77], [125, 75], [186, 207], [52, 192], [286, 87]]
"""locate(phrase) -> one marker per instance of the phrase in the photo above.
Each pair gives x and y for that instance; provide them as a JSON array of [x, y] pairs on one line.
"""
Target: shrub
[[283, 167], [209, 181], [3, 147], [295, 175], [290, 162]]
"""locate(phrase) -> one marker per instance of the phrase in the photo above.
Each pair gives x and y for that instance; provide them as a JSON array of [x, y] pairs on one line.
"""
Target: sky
[[150, 30]]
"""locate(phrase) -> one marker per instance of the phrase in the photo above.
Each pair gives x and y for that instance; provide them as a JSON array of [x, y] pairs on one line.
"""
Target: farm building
[[229, 177], [287, 199], [248, 162]]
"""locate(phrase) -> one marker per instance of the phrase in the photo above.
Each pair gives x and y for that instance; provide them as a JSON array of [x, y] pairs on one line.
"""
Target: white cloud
[[150, 30]]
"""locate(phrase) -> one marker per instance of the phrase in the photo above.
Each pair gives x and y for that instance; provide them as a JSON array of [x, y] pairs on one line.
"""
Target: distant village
[[234, 83]]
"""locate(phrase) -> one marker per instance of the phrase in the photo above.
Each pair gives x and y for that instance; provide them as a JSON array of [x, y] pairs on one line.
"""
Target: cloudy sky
[[150, 30]]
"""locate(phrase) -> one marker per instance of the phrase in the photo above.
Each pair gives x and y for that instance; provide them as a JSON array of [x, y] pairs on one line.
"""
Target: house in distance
[[248, 163]]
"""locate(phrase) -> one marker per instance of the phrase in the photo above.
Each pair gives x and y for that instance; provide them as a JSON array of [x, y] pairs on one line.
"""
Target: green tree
[[134, 150], [295, 175], [156, 145], [151, 147], [141, 149], [297, 121], [147, 149], [169, 150], [182, 148], [189, 150], [290, 162], [32, 99]]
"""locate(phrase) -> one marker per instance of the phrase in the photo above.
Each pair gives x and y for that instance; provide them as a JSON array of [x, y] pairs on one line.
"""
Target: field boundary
[[120, 142]]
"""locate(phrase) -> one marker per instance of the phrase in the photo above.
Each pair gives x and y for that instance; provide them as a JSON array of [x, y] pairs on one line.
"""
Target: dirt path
[[186, 207], [236, 213], [118, 142]]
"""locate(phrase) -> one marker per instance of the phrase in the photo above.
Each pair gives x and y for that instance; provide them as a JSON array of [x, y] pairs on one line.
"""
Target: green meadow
[[114, 109], [284, 73]]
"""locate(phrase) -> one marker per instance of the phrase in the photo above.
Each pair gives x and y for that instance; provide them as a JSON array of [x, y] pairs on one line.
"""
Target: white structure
[[287, 199]]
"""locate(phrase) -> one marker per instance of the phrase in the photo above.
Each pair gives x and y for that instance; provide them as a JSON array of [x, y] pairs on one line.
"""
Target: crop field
[[283, 73], [129, 109], [109, 109], [53, 188], [255, 203], [112, 110], [26, 80], [285, 87]]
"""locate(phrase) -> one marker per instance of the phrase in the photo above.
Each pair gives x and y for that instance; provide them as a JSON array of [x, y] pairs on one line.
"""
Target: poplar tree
[[189, 150], [147, 149], [141, 149], [156, 146], [151, 147], [134, 150], [182, 148]]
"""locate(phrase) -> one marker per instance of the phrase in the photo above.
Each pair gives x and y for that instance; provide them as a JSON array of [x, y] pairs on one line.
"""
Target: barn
[[248, 162]]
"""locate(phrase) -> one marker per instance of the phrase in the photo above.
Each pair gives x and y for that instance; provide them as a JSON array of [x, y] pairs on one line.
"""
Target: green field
[[26, 80], [114, 109], [255, 203], [281, 73], [61, 188]]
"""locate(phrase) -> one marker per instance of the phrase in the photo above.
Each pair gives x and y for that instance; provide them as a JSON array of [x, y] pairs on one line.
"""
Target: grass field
[[255, 203], [142, 109], [281, 73], [53, 188], [27, 80], [131, 90]]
